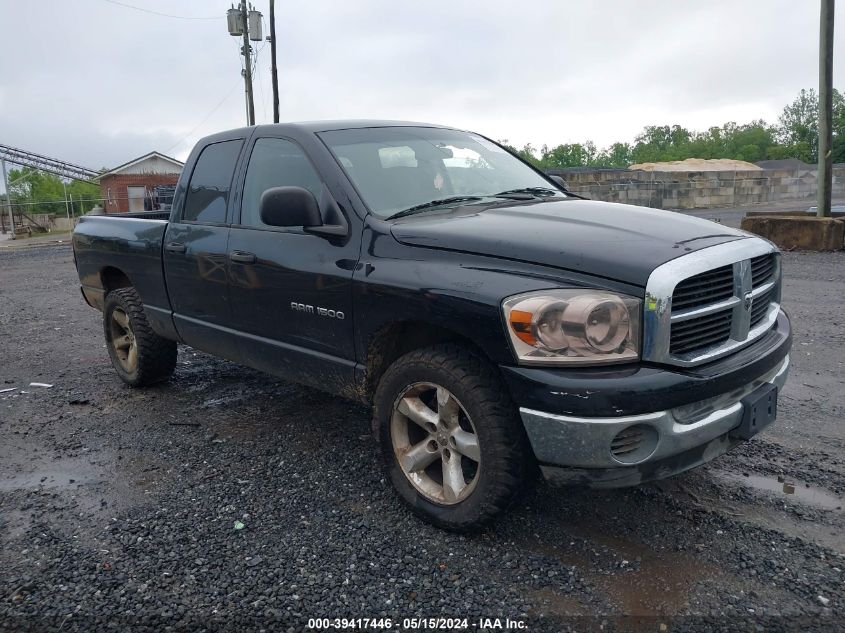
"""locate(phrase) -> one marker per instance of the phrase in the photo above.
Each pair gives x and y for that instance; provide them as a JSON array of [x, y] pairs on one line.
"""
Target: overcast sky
[[98, 84]]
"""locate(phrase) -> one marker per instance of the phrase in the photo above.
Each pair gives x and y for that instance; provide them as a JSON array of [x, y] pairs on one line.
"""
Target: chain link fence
[[43, 216]]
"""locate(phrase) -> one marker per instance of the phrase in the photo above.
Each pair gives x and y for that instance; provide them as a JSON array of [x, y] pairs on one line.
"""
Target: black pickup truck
[[494, 321]]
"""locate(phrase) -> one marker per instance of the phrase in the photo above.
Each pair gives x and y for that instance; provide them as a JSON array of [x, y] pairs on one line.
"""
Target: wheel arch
[[112, 278], [395, 339]]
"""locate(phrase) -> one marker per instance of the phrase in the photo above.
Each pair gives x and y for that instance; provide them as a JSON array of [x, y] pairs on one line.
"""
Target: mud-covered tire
[[506, 460], [147, 358]]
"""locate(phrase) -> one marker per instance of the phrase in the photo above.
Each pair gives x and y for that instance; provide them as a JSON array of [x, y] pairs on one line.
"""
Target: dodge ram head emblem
[[747, 300]]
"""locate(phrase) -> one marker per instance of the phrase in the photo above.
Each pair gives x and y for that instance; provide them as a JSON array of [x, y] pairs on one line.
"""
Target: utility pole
[[246, 21], [273, 71], [8, 200], [824, 175], [250, 105]]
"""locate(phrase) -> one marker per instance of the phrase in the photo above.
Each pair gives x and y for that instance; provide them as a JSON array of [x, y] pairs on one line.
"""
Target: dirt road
[[226, 500]]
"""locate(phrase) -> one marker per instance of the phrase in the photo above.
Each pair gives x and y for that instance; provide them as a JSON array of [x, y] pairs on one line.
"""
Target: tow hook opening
[[634, 444]]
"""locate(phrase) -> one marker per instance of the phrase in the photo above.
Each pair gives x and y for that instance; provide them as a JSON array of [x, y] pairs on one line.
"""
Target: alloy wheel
[[123, 340], [435, 443]]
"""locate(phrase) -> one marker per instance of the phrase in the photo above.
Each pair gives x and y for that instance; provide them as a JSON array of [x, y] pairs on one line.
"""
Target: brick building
[[131, 186]]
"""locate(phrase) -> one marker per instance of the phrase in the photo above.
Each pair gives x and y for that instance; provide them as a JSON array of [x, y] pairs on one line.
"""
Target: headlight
[[573, 326]]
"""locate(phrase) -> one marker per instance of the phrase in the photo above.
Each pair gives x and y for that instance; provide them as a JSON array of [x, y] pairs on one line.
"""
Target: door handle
[[242, 257], [175, 247]]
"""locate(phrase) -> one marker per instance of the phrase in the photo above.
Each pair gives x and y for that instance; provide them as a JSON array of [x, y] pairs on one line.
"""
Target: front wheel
[[452, 442], [139, 355]]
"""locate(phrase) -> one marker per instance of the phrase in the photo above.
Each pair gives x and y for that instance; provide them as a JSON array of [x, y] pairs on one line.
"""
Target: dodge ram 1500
[[496, 323]]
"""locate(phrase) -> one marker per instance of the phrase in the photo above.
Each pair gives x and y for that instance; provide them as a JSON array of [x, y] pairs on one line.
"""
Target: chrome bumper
[[579, 442]]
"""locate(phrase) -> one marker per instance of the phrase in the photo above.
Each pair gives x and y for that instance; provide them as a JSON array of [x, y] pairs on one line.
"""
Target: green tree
[[617, 155], [569, 155], [527, 153], [838, 128], [41, 192], [794, 136], [750, 142], [659, 143], [798, 126]]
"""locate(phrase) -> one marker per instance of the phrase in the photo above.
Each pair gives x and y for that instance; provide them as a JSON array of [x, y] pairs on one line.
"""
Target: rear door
[[195, 253], [291, 291]]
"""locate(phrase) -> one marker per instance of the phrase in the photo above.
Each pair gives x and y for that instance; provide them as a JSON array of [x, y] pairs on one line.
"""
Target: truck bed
[[131, 243]]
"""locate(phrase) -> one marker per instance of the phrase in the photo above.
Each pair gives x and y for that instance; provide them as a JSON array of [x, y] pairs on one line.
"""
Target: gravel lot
[[120, 508]]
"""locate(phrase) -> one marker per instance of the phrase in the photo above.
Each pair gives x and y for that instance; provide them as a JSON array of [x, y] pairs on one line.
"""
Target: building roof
[[785, 163], [177, 165]]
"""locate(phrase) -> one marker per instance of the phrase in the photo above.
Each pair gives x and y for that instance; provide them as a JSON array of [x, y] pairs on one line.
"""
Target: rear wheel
[[452, 441], [139, 355]]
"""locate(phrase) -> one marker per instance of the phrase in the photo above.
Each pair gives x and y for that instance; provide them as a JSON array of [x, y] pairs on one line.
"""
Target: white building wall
[[152, 165]]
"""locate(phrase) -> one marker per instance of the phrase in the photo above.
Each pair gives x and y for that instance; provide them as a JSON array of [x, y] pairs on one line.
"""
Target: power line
[[263, 100], [206, 118], [159, 13], [257, 74]]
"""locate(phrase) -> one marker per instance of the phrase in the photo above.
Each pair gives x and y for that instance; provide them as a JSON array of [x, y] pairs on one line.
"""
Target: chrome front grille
[[760, 307], [762, 269], [710, 287], [702, 332], [711, 302]]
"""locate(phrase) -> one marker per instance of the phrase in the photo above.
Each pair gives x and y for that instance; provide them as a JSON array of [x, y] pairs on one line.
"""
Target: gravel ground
[[121, 508]]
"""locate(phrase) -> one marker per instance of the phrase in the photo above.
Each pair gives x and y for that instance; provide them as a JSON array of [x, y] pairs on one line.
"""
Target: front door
[[291, 291], [195, 254]]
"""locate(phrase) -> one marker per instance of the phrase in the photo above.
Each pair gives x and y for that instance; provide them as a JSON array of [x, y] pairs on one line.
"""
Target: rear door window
[[211, 181]]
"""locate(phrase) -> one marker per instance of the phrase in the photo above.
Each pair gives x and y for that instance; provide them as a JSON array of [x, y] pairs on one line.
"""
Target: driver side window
[[275, 162]]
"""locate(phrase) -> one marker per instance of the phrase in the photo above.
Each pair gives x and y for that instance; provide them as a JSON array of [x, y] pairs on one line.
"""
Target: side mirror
[[559, 181], [290, 206]]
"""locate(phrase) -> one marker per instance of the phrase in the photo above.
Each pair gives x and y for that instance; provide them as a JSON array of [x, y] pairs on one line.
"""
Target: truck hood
[[617, 241]]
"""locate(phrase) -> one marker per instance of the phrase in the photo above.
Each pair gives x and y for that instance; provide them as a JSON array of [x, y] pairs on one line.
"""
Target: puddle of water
[[809, 495], [660, 586], [223, 400], [653, 583], [58, 474]]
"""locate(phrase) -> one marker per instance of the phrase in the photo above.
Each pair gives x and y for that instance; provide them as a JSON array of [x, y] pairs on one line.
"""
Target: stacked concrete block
[[699, 190]]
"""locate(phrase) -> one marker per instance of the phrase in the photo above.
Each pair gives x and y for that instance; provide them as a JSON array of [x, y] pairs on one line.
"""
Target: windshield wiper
[[534, 191], [431, 204]]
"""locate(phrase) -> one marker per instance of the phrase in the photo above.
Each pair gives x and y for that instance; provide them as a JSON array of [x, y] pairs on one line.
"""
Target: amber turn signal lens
[[521, 326]]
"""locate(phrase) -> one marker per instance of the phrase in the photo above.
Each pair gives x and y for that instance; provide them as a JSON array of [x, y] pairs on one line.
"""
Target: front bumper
[[615, 390], [614, 449]]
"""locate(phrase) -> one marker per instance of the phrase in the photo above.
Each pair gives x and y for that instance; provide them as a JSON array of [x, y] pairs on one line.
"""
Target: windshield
[[396, 168]]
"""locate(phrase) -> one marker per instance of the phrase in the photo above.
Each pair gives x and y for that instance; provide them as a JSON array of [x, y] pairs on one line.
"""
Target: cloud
[[99, 84]]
